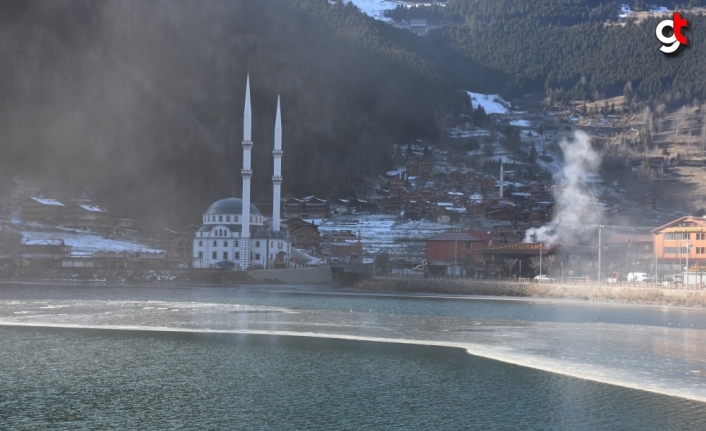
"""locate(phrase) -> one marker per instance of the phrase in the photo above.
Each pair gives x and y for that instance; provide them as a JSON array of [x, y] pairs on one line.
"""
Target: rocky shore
[[590, 292]]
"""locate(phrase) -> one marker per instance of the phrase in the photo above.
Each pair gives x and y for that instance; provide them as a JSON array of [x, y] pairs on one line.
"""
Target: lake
[[284, 357]]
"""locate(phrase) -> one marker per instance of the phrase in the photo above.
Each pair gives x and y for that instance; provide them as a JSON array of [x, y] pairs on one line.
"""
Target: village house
[[449, 247], [303, 234], [45, 253], [88, 217], [420, 168], [42, 210], [679, 239]]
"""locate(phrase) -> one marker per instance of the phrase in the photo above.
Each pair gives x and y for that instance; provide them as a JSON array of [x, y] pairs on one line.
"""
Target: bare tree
[[679, 118], [509, 264]]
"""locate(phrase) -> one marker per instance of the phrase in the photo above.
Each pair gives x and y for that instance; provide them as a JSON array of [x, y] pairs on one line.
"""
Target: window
[[227, 218], [215, 243], [701, 236], [200, 243], [237, 255], [257, 243], [214, 255], [200, 255], [225, 243], [279, 244], [700, 250], [225, 255], [670, 250], [220, 232], [676, 235], [236, 244], [220, 218], [236, 218], [257, 256], [272, 244]]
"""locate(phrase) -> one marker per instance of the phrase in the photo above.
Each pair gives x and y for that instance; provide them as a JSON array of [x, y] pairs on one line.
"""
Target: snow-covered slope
[[492, 103]]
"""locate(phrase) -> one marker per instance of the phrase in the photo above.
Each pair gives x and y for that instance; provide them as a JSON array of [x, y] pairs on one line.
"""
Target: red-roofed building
[[454, 246]]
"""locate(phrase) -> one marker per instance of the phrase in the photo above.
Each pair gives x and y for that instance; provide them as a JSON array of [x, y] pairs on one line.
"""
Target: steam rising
[[575, 200]]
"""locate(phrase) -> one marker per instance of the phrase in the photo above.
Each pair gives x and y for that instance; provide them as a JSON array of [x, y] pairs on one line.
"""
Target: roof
[[44, 201], [44, 242], [92, 208], [454, 236], [675, 223], [623, 238], [210, 227], [229, 206], [262, 233]]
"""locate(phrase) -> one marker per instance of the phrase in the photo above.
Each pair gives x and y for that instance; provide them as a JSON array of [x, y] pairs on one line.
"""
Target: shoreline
[[599, 293]]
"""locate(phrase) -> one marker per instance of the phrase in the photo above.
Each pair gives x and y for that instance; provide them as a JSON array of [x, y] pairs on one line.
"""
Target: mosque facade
[[233, 233]]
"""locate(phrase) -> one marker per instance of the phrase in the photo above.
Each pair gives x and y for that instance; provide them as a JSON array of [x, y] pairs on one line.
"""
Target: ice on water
[[659, 359]]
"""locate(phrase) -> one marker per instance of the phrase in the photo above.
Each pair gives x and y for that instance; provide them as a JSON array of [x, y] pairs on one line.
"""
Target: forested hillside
[[573, 49], [140, 103]]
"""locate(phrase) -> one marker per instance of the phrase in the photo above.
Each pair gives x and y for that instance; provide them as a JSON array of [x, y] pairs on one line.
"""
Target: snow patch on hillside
[[375, 8], [492, 103], [82, 243]]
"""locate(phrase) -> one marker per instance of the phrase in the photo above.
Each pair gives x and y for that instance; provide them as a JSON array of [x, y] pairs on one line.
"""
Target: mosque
[[233, 232]]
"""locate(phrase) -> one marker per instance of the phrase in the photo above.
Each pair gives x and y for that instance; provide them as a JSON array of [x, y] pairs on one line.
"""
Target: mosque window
[[236, 218], [200, 243], [200, 255], [225, 255], [215, 243], [257, 243], [237, 255], [214, 255], [279, 244], [257, 256], [220, 232], [228, 218], [220, 218], [236, 244], [225, 243]]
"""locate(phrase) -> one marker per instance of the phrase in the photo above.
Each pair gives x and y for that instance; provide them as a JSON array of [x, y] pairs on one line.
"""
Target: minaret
[[247, 174], [277, 177], [502, 178]]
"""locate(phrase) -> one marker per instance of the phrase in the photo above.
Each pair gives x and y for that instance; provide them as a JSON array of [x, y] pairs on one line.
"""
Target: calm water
[[289, 358]]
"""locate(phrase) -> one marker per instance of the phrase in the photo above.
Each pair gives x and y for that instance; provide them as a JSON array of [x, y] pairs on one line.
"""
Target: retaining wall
[[293, 276], [602, 292]]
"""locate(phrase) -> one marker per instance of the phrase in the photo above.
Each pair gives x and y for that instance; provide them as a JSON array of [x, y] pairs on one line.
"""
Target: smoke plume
[[575, 210]]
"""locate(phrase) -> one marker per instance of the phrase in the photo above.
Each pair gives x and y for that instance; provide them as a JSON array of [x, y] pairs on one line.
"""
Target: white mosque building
[[233, 232]]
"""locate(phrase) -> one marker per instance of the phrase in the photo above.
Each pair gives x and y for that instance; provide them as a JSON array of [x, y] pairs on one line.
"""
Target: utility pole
[[541, 246], [455, 257], [600, 231], [688, 252]]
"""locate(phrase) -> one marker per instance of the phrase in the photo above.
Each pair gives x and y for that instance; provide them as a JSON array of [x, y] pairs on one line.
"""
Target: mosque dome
[[229, 206]]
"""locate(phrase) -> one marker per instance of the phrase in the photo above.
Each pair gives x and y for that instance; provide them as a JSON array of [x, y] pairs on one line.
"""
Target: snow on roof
[[395, 173], [491, 103], [520, 123], [44, 201], [44, 242], [92, 208], [454, 193], [445, 204]]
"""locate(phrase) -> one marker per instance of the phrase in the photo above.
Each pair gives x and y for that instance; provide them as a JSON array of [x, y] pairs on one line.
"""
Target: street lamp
[[688, 252]]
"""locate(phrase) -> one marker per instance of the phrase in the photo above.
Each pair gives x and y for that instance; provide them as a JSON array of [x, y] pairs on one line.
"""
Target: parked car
[[542, 278]]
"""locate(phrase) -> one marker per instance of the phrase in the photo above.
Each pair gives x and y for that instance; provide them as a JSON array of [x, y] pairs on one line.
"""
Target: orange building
[[680, 238]]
